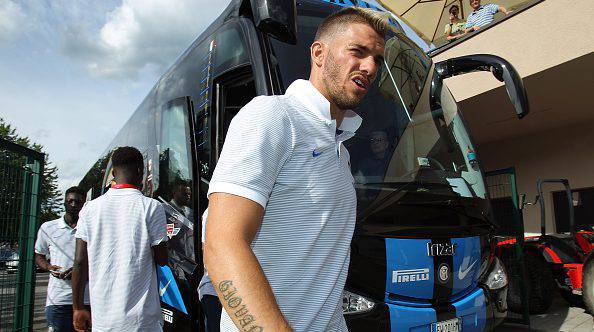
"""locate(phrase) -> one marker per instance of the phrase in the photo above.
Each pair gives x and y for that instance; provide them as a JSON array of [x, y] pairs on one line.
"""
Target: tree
[[51, 198]]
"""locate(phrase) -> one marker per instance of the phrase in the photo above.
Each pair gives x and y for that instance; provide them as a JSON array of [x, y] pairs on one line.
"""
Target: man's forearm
[[80, 275], [243, 288], [79, 280], [42, 262]]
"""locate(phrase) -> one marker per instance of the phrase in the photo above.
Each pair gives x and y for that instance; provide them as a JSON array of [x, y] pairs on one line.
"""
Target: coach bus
[[422, 254]]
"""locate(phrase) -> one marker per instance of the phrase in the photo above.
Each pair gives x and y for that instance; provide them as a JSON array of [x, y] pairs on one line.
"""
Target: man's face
[[475, 4], [183, 195], [379, 143], [453, 13], [73, 203], [351, 65]]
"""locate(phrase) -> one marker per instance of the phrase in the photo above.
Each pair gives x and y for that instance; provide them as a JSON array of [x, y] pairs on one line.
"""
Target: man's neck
[[70, 220], [335, 113]]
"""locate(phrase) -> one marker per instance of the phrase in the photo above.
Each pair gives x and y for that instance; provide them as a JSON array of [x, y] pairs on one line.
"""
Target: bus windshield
[[401, 146]]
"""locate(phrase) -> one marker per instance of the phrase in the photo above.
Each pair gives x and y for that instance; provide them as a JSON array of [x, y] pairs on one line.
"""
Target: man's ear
[[317, 53]]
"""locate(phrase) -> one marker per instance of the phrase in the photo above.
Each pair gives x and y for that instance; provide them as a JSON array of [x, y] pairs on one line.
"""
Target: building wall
[[565, 152], [534, 40]]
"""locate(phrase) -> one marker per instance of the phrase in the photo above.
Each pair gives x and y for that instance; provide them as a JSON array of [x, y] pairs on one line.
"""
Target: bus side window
[[175, 178], [234, 90]]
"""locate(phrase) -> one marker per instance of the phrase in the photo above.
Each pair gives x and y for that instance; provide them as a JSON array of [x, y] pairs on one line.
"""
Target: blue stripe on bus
[[410, 318], [467, 262], [403, 256], [473, 311]]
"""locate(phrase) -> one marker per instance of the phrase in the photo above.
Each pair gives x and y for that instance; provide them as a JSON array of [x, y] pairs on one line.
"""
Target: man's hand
[[51, 268], [475, 28], [66, 274], [81, 319]]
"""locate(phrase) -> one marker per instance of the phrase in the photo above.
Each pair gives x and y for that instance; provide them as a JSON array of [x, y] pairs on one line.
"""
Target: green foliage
[[51, 197]]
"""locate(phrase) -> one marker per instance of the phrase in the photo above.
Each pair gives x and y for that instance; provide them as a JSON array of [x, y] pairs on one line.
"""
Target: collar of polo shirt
[[64, 224], [309, 96]]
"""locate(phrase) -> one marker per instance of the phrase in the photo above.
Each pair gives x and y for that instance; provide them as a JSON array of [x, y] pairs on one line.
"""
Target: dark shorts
[[59, 318], [212, 310]]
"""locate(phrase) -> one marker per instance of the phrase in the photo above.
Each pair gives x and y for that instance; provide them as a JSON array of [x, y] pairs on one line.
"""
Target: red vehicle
[[554, 261]]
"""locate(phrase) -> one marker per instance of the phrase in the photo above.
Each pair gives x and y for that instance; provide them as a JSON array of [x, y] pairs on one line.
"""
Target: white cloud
[[12, 21], [139, 35]]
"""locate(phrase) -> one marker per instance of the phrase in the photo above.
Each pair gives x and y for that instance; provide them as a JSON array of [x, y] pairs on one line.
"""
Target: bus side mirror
[[501, 69], [277, 18]]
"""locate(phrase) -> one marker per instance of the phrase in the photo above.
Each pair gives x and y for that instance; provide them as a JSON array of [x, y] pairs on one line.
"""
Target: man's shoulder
[[266, 105], [264, 110], [51, 224]]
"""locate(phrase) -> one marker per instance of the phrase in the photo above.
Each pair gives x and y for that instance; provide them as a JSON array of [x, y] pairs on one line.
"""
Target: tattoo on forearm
[[247, 322]]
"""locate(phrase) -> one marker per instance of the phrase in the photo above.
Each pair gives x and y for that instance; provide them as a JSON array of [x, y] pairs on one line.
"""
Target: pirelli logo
[[410, 275]]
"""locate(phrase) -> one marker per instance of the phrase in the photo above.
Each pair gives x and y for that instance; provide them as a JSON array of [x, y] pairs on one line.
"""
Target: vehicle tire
[[539, 281], [588, 283]]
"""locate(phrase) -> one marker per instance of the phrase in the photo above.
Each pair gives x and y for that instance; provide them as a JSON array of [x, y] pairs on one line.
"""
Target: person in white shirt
[[120, 237], [54, 252], [282, 201], [211, 306]]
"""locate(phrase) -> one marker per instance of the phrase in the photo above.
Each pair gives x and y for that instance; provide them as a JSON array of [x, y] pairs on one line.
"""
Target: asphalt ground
[[560, 317]]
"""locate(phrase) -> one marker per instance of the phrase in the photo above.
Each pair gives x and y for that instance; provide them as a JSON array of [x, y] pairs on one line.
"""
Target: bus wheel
[[588, 283]]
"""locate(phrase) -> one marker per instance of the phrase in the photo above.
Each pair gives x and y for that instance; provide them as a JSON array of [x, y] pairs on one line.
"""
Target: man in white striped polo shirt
[[281, 200], [482, 15], [119, 239]]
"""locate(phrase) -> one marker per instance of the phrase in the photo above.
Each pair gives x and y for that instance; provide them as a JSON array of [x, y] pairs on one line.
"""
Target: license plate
[[450, 325]]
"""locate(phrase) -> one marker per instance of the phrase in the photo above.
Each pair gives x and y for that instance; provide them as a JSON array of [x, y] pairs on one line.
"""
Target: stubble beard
[[331, 78]]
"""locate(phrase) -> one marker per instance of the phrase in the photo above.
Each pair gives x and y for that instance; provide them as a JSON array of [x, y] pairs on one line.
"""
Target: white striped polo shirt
[[55, 240], [120, 229], [483, 16], [284, 153]]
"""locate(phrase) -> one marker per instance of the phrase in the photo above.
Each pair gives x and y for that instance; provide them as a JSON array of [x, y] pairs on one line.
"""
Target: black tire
[[539, 281], [588, 283]]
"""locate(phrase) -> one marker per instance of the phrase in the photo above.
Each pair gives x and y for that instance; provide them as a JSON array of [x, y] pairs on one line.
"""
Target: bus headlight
[[355, 304], [497, 277]]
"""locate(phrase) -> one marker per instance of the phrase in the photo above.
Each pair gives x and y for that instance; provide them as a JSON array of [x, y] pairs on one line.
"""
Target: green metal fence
[[501, 185], [21, 170]]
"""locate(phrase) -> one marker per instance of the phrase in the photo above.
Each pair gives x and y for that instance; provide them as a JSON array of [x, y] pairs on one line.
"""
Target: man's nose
[[370, 67]]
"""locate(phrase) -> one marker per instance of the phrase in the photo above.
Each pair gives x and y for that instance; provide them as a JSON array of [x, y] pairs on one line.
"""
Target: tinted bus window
[[175, 178]]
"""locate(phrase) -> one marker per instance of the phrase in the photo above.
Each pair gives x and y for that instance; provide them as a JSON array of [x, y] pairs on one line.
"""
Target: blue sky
[[73, 71]]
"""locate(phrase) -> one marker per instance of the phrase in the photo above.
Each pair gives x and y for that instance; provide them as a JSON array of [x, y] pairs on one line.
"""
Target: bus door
[[178, 279], [233, 74]]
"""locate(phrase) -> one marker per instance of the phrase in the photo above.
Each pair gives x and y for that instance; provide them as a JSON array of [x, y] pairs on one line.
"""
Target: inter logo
[[443, 273]]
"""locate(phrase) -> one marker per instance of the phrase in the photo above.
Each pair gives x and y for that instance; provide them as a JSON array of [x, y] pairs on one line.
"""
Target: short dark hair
[[76, 190], [349, 15], [127, 157], [452, 8]]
